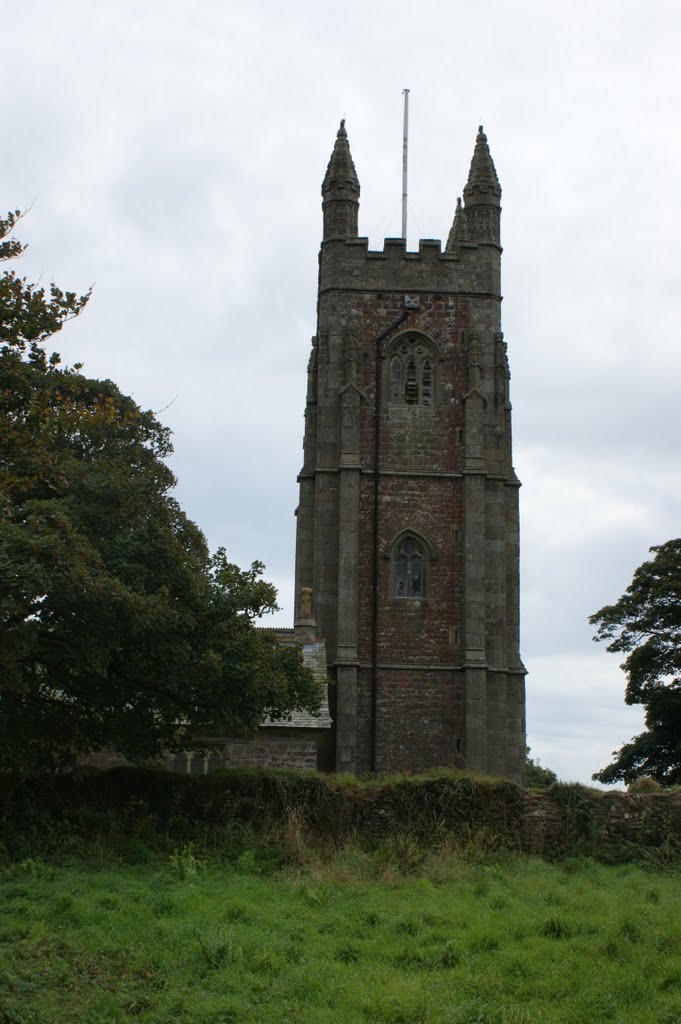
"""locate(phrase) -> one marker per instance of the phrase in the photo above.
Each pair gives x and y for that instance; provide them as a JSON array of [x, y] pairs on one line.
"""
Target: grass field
[[515, 942]]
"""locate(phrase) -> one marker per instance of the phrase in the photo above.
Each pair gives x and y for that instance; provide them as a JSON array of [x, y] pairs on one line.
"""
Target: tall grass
[[397, 935]]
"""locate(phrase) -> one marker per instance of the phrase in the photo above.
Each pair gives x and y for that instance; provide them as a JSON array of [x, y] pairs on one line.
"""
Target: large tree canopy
[[645, 624], [117, 627]]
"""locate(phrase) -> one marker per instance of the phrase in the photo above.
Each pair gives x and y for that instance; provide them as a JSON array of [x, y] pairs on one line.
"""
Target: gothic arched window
[[412, 371], [408, 563]]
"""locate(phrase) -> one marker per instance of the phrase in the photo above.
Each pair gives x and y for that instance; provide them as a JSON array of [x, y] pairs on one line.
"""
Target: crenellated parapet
[[349, 264]]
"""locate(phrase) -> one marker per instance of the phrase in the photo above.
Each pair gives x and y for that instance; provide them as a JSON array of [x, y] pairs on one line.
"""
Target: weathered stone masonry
[[407, 542]]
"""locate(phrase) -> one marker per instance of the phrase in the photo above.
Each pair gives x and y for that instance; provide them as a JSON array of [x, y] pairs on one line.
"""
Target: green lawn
[[518, 942]]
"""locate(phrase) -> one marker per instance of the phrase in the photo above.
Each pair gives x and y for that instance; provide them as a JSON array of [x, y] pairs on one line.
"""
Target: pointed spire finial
[[341, 169], [457, 231], [340, 190], [482, 187]]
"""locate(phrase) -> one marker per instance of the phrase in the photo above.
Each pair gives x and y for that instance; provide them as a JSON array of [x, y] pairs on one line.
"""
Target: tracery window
[[412, 372], [409, 563]]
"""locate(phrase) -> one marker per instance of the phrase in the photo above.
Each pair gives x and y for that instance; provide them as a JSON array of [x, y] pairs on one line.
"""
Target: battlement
[[349, 264], [396, 249]]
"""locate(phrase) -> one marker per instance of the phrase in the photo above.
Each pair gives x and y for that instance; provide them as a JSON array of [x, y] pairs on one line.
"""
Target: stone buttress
[[407, 547]]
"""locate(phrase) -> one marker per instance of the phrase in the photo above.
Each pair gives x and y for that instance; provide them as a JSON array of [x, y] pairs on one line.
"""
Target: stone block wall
[[419, 719], [265, 750], [269, 748]]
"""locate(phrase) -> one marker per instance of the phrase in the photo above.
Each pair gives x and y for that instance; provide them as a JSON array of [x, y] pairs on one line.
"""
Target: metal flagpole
[[405, 145]]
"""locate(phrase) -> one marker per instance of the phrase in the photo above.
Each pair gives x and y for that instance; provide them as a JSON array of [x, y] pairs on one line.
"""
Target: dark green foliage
[[645, 624], [118, 628], [644, 785], [536, 775], [28, 316]]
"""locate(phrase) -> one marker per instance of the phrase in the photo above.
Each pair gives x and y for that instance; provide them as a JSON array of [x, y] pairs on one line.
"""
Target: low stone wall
[[566, 816], [494, 813], [566, 819]]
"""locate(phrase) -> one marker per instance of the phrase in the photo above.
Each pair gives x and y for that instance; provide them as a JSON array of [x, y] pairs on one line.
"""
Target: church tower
[[407, 536]]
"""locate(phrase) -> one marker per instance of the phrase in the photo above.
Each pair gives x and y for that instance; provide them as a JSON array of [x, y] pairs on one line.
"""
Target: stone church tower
[[407, 536]]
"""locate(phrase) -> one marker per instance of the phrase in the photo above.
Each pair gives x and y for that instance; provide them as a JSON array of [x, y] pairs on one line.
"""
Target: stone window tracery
[[409, 561], [412, 371]]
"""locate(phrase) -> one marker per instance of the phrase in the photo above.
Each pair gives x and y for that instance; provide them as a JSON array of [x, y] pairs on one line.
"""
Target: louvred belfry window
[[412, 372], [409, 562]]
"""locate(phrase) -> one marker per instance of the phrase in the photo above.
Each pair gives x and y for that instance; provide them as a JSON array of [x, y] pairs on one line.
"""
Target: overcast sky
[[172, 153]]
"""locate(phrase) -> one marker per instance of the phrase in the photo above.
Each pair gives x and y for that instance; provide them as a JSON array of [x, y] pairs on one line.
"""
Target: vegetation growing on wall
[[536, 775], [143, 812]]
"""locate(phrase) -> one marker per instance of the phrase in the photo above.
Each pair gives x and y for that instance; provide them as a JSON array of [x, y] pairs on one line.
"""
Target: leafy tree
[[27, 316], [645, 624], [536, 775], [118, 629]]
